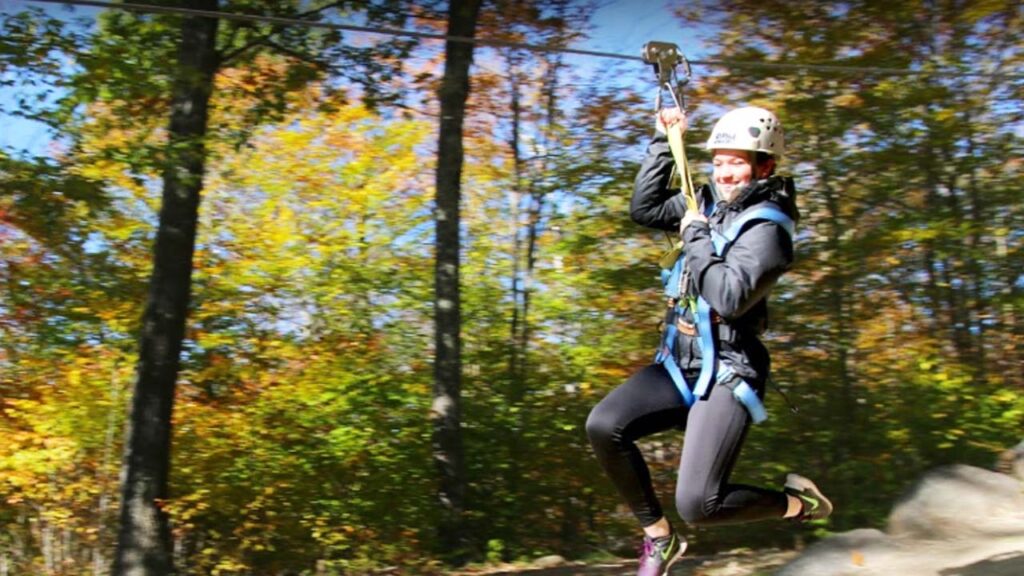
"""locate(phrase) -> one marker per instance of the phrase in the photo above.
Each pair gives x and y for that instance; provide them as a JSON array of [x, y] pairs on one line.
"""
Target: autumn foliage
[[301, 418]]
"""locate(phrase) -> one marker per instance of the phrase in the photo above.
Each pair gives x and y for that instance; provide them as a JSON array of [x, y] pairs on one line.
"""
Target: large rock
[[1011, 461], [548, 561], [959, 501], [883, 556], [851, 553]]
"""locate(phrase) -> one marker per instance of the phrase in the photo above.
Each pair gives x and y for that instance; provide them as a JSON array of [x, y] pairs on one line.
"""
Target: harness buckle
[[685, 327], [690, 329]]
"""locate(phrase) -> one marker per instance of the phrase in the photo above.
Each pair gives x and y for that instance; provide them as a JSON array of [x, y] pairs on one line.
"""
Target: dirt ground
[[738, 563]]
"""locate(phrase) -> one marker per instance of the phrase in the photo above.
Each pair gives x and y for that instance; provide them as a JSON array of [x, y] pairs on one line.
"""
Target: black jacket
[[735, 286]]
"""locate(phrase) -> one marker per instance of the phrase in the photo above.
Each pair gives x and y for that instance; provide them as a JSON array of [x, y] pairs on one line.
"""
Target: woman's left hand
[[691, 217]]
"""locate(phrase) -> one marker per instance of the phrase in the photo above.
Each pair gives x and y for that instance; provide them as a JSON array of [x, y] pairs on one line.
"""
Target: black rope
[[790, 67], [792, 407]]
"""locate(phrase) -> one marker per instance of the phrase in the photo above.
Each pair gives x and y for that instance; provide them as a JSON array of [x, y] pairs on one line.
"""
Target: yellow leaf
[[848, 100], [857, 558]]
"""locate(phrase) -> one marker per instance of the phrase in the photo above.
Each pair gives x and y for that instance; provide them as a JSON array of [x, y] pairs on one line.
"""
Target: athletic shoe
[[659, 554], [815, 505]]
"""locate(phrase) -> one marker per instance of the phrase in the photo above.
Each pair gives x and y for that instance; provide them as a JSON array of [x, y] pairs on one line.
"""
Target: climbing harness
[[711, 368], [665, 57]]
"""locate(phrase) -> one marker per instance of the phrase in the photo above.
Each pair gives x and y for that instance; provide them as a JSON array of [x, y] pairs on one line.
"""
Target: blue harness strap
[[711, 368], [666, 358], [743, 392], [723, 241]]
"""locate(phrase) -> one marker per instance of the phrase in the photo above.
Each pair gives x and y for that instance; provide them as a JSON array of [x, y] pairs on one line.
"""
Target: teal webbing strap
[[708, 353], [666, 358], [670, 278], [723, 241], [746, 395], [743, 392], [678, 379]]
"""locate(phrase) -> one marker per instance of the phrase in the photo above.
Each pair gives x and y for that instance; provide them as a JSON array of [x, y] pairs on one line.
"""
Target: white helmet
[[748, 128]]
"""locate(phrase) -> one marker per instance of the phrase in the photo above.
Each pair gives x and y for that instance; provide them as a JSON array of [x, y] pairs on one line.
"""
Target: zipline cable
[[830, 68]]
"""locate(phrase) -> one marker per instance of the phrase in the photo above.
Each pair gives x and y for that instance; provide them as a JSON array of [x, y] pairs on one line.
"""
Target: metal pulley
[[666, 57]]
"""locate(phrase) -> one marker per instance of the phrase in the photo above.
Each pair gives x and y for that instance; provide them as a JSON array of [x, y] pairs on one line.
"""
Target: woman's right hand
[[670, 117]]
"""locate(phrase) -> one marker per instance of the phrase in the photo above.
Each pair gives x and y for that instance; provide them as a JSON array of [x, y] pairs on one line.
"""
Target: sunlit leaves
[[890, 330], [301, 427]]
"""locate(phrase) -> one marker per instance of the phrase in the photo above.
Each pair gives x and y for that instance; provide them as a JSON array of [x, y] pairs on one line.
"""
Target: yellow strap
[[675, 143], [668, 259]]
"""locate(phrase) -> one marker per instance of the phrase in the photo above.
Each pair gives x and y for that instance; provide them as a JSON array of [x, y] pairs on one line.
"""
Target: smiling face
[[734, 169]]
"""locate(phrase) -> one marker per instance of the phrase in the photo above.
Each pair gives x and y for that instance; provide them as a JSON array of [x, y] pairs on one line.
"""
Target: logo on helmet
[[724, 138]]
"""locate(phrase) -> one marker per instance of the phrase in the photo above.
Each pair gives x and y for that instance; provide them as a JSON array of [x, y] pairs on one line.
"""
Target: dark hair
[[761, 157]]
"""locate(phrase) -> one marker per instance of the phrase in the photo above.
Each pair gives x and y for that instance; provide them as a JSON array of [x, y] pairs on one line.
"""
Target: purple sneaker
[[660, 554]]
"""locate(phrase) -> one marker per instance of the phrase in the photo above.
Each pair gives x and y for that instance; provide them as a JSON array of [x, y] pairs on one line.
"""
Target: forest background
[[302, 417]]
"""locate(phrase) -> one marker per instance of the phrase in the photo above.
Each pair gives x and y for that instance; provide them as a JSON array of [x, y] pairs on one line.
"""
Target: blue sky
[[623, 26], [620, 26]]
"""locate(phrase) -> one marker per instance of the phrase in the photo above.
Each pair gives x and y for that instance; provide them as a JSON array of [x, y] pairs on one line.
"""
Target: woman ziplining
[[710, 372]]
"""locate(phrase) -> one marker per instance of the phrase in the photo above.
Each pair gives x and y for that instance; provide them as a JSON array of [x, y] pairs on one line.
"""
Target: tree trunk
[[933, 287], [511, 430], [144, 540], [447, 434], [515, 372], [840, 331], [100, 563], [976, 272]]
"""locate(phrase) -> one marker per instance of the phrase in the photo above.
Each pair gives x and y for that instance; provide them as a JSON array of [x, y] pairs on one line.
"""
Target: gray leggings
[[648, 402]]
